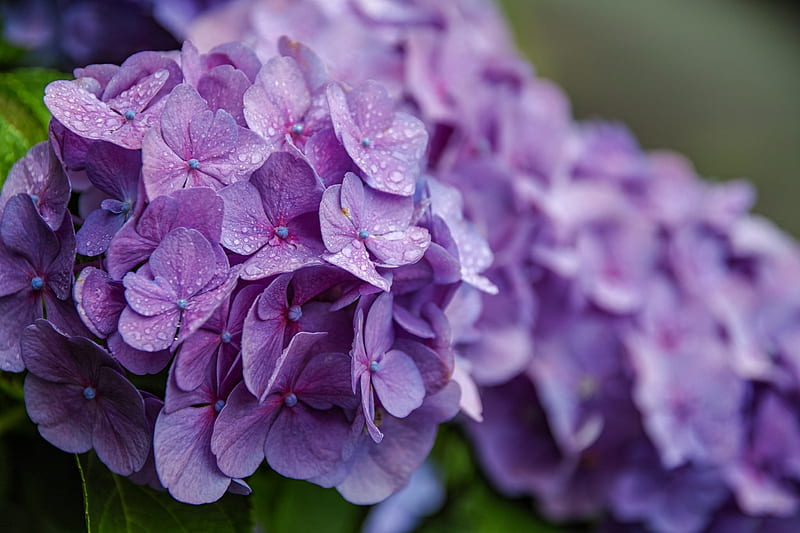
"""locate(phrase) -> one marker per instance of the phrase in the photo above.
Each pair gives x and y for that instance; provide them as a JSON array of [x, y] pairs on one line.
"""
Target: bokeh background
[[718, 80]]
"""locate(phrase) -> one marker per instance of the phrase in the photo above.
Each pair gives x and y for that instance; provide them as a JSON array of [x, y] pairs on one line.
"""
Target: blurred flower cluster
[[638, 363], [322, 265]]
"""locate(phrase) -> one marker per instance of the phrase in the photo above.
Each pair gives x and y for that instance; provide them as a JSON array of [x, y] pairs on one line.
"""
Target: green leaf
[[115, 505], [283, 505], [23, 115]]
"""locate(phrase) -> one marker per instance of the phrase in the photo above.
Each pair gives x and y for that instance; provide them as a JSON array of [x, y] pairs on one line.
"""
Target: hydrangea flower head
[[242, 245]]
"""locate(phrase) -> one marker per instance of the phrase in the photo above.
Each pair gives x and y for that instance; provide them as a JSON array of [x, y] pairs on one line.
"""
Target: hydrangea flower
[[357, 220], [388, 146], [197, 149], [35, 276], [221, 255], [80, 399], [273, 217], [300, 426], [381, 371], [120, 111], [179, 288]]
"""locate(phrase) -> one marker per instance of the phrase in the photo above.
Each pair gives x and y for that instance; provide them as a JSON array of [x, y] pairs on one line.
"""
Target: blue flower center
[[290, 400], [35, 198], [282, 232], [366, 142], [130, 114], [374, 366], [89, 393], [295, 313], [225, 337], [363, 234], [194, 164], [182, 303], [219, 405], [297, 129], [37, 283], [125, 206]]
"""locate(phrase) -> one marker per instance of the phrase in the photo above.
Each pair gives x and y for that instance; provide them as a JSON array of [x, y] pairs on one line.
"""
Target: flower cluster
[[262, 238], [322, 266], [638, 363]]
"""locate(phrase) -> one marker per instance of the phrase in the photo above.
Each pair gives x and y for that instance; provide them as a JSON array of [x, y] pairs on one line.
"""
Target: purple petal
[[15, 272], [202, 306], [39, 173], [400, 247], [99, 300], [185, 260], [328, 157], [398, 384], [278, 99], [337, 228], [379, 327], [303, 442], [241, 430], [262, 337], [183, 104], [149, 297], [163, 171], [114, 170], [355, 259], [82, 112], [193, 358], [160, 329], [308, 62], [137, 361], [184, 461], [61, 412], [288, 187], [223, 87], [52, 356], [325, 382], [303, 247], [25, 232], [121, 432], [97, 231], [245, 227], [388, 147]]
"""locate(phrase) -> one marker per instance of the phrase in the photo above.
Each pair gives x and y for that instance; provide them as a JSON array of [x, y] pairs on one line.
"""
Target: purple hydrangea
[[290, 283], [356, 245], [639, 356]]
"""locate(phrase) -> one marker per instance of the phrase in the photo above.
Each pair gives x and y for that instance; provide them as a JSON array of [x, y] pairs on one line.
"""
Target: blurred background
[[718, 80]]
